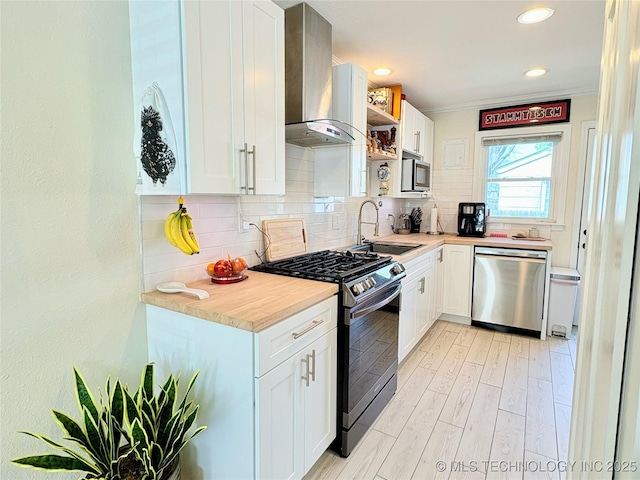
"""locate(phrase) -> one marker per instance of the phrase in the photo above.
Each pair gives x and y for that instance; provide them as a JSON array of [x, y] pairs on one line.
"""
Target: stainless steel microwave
[[416, 175]]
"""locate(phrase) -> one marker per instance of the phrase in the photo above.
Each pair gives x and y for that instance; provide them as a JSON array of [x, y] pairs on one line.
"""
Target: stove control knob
[[357, 289], [397, 269]]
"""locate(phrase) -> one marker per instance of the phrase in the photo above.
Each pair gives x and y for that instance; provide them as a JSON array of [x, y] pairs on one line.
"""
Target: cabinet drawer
[[277, 343]]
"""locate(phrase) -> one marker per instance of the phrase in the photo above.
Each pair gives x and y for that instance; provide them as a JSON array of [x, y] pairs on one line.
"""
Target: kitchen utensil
[[177, 287], [404, 224], [284, 238]]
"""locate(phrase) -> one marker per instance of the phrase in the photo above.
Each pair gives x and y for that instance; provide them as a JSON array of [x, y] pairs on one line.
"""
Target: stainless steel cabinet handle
[[313, 325], [305, 360], [418, 141], [312, 373], [422, 283], [253, 155], [440, 256], [245, 187]]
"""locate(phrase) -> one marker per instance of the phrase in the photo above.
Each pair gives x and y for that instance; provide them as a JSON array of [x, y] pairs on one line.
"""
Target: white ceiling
[[451, 54]]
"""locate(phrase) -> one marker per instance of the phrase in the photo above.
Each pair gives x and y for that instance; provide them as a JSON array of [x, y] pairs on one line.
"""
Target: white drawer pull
[[313, 325]]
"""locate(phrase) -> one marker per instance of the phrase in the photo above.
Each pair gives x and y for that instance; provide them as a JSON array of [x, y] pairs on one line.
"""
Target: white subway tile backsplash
[[216, 218]]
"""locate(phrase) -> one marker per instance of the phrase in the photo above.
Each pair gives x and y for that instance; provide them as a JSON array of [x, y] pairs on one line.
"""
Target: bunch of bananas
[[179, 231]]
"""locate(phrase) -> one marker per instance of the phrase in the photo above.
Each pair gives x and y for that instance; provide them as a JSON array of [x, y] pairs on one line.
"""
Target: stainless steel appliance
[[367, 332], [416, 175], [508, 289], [471, 220], [308, 81]]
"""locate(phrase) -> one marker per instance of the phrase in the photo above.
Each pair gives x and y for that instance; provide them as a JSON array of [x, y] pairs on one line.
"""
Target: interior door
[[587, 192]]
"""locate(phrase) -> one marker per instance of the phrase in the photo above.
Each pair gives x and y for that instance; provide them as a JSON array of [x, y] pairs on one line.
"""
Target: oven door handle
[[387, 299]]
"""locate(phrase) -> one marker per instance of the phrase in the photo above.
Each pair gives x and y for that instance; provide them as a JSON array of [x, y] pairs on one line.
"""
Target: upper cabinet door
[[156, 52], [408, 129], [213, 73], [428, 136], [221, 68], [263, 43]]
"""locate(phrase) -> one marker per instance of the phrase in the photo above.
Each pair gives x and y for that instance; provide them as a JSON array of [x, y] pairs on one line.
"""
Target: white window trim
[[559, 174]]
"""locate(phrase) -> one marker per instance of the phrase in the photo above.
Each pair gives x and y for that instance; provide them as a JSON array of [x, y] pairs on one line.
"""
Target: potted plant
[[123, 436]]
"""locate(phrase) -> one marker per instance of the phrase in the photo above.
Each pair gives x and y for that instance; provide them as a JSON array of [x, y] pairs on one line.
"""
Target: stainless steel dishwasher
[[508, 289]]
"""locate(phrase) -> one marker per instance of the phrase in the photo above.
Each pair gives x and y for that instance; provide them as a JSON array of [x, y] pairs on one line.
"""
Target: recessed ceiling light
[[381, 71], [536, 72], [535, 15]]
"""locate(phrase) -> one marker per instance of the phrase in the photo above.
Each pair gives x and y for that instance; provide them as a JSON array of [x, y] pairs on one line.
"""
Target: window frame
[[559, 172]]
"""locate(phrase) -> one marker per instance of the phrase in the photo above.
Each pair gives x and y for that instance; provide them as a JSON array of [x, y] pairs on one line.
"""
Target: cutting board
[[284, 238]]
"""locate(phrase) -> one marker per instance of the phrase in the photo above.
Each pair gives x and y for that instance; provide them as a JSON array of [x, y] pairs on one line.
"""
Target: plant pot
[[175, 475]]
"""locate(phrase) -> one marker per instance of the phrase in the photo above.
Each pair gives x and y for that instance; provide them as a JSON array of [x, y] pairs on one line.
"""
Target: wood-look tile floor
[[489, 405]]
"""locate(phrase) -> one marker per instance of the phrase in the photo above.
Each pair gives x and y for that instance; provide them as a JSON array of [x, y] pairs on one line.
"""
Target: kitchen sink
[[388, 248]]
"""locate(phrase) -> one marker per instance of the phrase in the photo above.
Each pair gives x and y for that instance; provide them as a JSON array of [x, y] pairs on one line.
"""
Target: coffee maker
[[471, 220]]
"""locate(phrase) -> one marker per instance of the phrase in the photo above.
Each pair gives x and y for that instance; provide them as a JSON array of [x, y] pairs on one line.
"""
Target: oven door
[[371, 351]]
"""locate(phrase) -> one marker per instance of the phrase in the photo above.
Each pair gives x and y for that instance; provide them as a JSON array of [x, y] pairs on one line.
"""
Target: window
[[522, 177]]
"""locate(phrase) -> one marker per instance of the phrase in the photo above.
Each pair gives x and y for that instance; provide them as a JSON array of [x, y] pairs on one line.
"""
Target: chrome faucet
[[360, 222]]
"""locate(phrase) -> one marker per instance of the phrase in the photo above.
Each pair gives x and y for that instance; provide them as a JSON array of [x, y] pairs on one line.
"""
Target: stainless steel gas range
[[367, 332]]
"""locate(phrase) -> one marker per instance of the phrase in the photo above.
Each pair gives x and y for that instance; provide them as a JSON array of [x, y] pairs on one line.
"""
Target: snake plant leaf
[[165, 410], [147, 381], [193, 380], [167, 431], [176, 450], [131, 407], [94, 440], [55, 463], [84, 396], [71, 427], [117, 413], [59, 447], [139, 435], [147, 425]]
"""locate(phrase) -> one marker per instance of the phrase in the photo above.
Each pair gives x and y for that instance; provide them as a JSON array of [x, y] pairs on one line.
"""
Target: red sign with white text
[[529, 114]]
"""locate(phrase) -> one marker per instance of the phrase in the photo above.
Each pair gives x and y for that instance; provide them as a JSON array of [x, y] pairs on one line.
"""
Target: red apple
[[238, 265], [222, 268]]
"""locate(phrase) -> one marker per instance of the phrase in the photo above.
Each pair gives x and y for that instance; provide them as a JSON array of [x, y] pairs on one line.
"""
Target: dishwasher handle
[[509, 258]]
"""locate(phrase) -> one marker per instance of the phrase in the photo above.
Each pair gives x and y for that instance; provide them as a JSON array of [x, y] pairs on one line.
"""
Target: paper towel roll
[[434, 220]]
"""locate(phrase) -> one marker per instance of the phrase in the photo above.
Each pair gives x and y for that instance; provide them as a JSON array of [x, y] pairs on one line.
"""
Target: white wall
[[330, 222], [453, 186], [70, 253]]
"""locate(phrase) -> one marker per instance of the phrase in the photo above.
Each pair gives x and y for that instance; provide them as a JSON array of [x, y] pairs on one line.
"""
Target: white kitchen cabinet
[[341, 171], [297, 410], [417, 313], [417, 132], [262, 419], [458, 274], [224, 89], [439, 268]]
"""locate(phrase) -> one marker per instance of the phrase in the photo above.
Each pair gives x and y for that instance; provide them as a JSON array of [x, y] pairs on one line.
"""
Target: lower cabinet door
[[296, 407], [426, 311], [280, 421], [320, 398], [407, 328]]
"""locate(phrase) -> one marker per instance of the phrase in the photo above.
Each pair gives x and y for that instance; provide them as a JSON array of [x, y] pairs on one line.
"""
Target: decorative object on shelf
[[124, 436], [381, 98], [384, 174], [155, 145]]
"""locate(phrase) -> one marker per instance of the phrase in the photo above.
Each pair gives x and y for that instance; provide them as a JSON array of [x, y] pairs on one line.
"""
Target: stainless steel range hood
[[308, 64]]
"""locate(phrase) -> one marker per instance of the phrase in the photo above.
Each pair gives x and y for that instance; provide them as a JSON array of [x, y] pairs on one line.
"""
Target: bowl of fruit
[[229, 270]]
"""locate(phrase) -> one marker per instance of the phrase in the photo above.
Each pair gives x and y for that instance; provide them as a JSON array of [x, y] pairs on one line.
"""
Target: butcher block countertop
[[254, 304], [264, 299], [430, 242]]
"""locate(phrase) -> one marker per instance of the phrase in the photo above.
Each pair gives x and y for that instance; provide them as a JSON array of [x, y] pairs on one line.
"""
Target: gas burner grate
[[325, 266]]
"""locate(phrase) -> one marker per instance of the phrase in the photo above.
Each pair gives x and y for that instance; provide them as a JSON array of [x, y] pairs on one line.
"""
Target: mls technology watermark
[[502, 466]]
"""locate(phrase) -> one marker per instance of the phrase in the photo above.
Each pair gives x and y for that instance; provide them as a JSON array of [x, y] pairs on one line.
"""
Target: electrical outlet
[[337, 220], [243, 227]]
